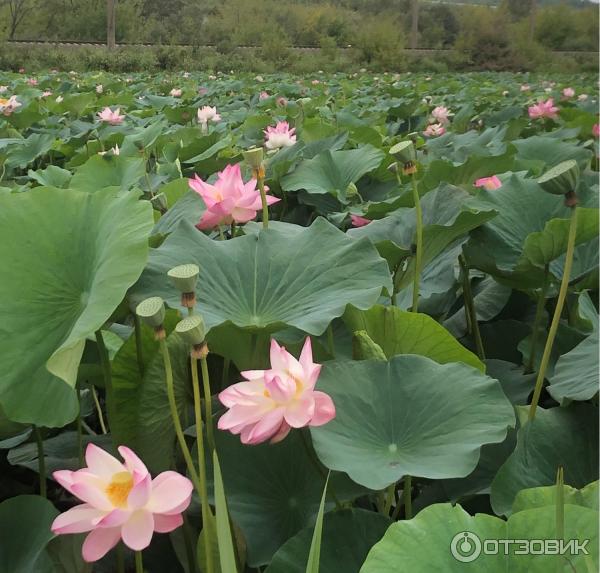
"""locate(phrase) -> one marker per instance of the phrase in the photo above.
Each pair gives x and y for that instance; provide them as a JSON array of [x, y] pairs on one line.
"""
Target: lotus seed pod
[[152, 311], [351, 190], [560, 179], [184, 277], [404, 152], [192, 329], [254, 157], [393, 167]]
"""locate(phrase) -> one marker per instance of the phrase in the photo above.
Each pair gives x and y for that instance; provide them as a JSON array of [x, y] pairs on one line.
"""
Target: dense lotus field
[[334, 324]]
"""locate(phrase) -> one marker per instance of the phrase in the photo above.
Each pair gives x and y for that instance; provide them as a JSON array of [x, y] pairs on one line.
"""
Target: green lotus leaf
[[408, 416], [23, 153], [400, 332], [108, 171], [559, 437], [347, 537], [270, 280], [77, 255], [425, 543], [546, 496]]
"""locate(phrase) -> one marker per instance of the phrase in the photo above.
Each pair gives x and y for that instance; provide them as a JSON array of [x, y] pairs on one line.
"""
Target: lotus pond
[[335, 324]]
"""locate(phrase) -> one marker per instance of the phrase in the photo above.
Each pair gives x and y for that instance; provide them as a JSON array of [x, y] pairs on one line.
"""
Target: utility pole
[[110, 24], [414, 29]]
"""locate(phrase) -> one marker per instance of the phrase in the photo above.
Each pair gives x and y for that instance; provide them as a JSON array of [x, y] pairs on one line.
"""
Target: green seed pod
[[192, 329], [254, 157], [184, 277], [403, 152], [152, 311], [351, 190], [560, 179]]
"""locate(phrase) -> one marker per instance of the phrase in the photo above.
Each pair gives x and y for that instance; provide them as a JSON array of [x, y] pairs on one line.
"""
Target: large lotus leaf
[[408, 416], [273, 491], [460, 147], [52, 176], [445, 218], [559, 437], [108, 171], [423, 544], [546, 496], [347, 537], [542, 152], [189, 208], [530, 223], [69, 258], [400, 332], [23, 153], [332, 171], [24, 532], [576, 373], [272, 279]]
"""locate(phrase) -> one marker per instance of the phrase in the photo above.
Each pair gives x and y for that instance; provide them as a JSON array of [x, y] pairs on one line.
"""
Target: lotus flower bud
[[193, 331], [562, 179], [351, 190], [152, 312], [184, 278], [254, 157], [404, 152]]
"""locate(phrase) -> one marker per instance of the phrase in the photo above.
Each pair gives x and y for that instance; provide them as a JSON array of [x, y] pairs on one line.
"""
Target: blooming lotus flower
[[358, 221], [280, 136], [3, 89], [543, 109], [32, 81], [114, 150], [59, 99], [175, 92], [568, 92], [229, 199], [525, 87], [206, 114], [434, 130], [281, 101], [21, 70], [269, 403], [7, 106], [315, 82], [440, 114], [582, 97], [263, 95], [99, 89], [121, 501], [489, 183], [46, 94], [596, 130], [111, 117]]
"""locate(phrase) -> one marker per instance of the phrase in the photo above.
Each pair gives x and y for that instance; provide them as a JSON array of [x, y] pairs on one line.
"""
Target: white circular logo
[[465, 547]]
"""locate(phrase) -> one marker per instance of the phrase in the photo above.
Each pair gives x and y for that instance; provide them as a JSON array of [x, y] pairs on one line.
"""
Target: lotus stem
[[139, 562], [107, 374], [138, 344], [470, 307], [225, 372], [201, 464], [539, 311], [406, 497], [207, 403], [79, 430], [120, 558], [330, 341], [419, 245], [175, 416], [260, 179], [390, 497], [41, 461], [99, 410], [562, 295]]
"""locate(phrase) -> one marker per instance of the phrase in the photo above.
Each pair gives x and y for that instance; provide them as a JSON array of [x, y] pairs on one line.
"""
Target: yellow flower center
[[119, 487], [299, 384], [3, 101]]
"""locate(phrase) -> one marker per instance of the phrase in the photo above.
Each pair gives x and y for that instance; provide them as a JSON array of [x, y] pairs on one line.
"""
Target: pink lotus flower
[[543, 109], [280, 136], [111, 117], [489, 183], [21, 70], [46, 94], [175, 92], [525, 87], [568, 92], [358, 221], [269, 403], [206, 114], [7, 106], [263, 95], [440, 114], [229, 199], [315, 82], [596, 130], [32, 81], [434, 130], [122, 501]]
